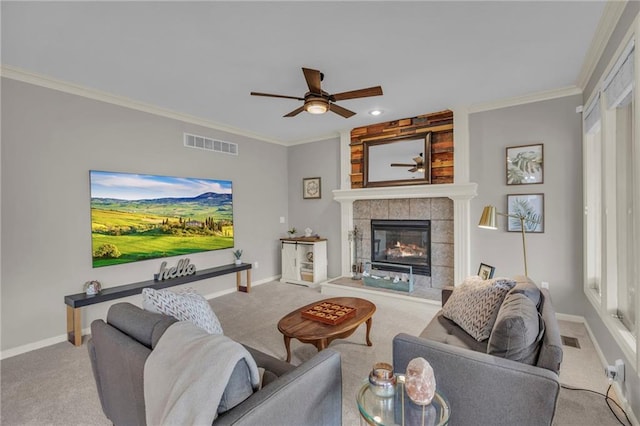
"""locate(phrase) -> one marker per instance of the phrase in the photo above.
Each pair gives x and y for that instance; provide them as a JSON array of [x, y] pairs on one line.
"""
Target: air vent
[[208, 144], [570, 341]]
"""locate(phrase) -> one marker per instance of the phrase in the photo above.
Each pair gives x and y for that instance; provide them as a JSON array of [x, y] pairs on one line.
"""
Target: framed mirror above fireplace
[[397, 161]]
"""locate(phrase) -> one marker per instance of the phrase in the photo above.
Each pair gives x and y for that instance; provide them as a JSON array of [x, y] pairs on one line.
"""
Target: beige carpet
[[54, 385]]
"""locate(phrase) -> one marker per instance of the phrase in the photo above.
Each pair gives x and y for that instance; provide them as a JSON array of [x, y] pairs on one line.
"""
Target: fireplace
[[402, 242]]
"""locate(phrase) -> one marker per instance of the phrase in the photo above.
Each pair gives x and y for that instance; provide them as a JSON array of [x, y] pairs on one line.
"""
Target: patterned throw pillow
[[185, 305], [474, 305]]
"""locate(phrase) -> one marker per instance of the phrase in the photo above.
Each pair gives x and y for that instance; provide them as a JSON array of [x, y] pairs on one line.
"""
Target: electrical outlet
[[619, 370], [281, 219], [611, 372], [255, 265], [615, 372], [544, 284]]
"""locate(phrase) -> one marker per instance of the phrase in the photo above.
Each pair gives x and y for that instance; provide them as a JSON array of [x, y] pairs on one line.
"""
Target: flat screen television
[[138, 217]]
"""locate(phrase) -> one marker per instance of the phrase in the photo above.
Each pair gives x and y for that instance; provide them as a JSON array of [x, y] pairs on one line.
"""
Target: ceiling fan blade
[[295, 112], [418, 160], [413, 169], [362, 93], [276, 96], [341, 111], [401, 165], [313, 80]]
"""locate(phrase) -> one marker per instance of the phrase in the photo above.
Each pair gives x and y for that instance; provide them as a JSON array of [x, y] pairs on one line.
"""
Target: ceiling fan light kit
[[317, 101], [316, 106]]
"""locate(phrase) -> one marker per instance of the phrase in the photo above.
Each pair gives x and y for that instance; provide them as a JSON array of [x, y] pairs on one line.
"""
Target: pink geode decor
[[420, 382]]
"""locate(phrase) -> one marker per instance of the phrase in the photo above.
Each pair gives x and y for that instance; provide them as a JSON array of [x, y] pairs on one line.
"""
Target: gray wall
[[554, 256], [322, 215], [607, 343], [50, 141]]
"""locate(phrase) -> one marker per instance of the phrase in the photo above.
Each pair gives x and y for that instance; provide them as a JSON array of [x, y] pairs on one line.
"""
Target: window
[[593, 197], [627, 275], [612, 201]]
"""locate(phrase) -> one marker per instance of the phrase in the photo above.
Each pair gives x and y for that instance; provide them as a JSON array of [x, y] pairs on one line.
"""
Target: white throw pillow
[[474, 304], [185, 305]]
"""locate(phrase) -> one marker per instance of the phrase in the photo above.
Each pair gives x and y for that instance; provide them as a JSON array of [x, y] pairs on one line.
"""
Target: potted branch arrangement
[[237, 254]]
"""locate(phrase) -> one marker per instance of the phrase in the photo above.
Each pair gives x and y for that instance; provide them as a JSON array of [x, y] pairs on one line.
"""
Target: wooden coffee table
[[293, 326]]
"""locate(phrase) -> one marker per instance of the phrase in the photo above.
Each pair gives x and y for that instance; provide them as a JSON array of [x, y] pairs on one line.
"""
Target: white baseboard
[[33, 346], [375, 296], [63, 337], [570, 318]]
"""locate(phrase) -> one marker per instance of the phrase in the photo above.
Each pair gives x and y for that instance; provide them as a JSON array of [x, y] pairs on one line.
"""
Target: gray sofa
[[485, 389], [310, 394]]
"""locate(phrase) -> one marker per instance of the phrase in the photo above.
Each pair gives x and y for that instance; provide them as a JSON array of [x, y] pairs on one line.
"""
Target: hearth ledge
[[394, 300]]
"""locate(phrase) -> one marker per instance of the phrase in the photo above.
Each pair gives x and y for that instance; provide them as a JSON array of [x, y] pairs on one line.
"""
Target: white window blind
[[592, 117], [619, 83]]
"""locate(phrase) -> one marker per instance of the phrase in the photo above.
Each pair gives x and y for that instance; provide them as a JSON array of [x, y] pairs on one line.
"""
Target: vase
[[238, 261]]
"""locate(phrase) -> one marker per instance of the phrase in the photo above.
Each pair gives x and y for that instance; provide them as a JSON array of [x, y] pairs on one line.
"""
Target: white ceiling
[[203, 58]]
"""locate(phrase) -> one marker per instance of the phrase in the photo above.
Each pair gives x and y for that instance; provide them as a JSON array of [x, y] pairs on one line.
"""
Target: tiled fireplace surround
[[438, 210], [446, 205]]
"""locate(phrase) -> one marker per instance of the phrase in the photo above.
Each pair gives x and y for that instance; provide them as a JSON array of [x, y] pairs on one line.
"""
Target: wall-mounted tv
[[138, 217]]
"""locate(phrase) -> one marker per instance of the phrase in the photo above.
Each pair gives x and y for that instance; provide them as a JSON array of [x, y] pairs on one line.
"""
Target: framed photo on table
[[311, 188], [486, 272], [525, 164]]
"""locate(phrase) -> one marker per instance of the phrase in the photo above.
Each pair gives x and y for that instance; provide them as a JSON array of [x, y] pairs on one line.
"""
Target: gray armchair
[[310, 394]]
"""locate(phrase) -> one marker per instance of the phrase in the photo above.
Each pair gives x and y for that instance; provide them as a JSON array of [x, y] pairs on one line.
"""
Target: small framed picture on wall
[[525, 164], [311, 188]]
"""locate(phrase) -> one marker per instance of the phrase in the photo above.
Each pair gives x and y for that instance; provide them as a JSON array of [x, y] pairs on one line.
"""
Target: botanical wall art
[[524, 164], [137, 217], [311, 188], [529, 206]]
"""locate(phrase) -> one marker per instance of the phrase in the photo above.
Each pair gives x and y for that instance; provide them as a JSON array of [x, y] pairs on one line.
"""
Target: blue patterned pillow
[[185, 305], [474, 304]]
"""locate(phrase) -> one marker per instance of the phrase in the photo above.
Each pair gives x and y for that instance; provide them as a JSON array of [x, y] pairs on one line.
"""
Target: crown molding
[[607, 24], [526, 99], [98, 95], [325, 137]]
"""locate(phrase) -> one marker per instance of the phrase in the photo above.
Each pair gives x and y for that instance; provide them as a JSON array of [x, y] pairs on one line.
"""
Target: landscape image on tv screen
[[138, 217]]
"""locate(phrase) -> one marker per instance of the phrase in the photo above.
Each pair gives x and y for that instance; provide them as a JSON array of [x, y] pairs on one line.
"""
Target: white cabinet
[[304, 260]]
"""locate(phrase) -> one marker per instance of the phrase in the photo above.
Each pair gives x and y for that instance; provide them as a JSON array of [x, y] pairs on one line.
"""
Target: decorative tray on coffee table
[[329, 313]]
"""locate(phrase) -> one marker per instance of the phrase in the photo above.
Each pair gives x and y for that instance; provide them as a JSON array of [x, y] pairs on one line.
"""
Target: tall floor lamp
[[488, 221]]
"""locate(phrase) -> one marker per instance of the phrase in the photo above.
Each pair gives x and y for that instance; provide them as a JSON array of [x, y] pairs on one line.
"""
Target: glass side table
[[398, 409]]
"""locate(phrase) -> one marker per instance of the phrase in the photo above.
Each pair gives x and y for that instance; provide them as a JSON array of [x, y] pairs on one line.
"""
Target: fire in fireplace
[[402, 242]]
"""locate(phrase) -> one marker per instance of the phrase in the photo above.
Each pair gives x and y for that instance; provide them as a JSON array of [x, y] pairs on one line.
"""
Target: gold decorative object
[[382, 381]]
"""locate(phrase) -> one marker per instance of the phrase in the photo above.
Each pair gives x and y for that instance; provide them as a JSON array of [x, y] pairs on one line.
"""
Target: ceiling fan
[[317, 101], [418, 165]]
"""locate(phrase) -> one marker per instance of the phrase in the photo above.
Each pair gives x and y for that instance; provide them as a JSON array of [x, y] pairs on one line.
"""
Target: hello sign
[[182, 269]]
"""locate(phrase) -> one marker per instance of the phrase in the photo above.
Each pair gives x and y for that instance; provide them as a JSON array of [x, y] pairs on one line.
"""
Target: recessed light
[[375, 112]]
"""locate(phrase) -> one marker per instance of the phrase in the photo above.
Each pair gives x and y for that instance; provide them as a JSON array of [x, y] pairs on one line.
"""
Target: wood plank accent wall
[[439, 123]]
